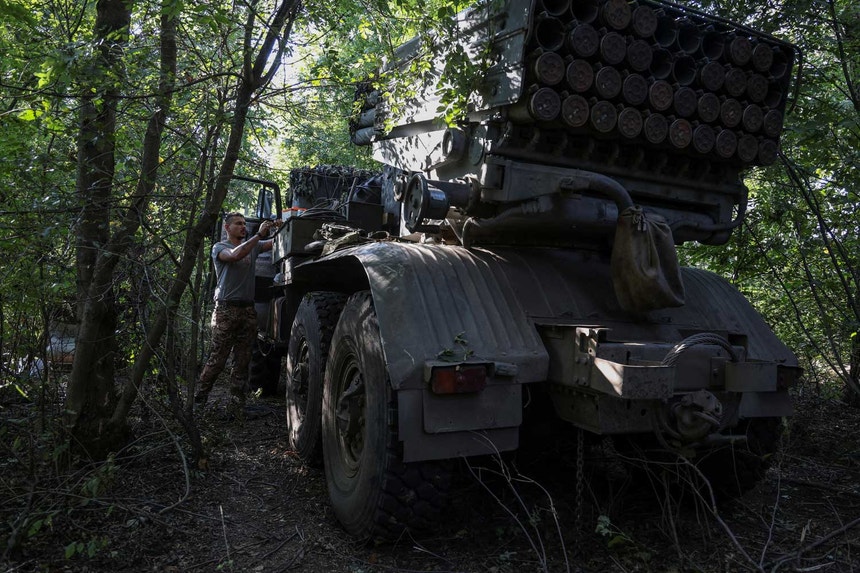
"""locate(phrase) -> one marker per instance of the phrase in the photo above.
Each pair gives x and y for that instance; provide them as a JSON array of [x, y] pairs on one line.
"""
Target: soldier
[[234, 320]]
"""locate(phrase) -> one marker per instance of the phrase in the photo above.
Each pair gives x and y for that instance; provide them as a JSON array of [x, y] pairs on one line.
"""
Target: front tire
[[304, 368], [373, 493]]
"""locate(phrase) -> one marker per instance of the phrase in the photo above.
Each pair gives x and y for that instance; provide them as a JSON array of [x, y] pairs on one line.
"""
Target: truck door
[[256, 199]]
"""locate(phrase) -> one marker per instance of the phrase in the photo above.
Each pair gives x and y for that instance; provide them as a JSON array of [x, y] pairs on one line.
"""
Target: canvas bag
[[645, 270]]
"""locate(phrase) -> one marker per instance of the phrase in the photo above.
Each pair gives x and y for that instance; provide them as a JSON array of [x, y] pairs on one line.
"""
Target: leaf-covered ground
[[257, 509]]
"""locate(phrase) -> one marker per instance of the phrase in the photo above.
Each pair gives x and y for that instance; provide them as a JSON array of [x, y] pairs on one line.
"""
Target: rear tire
[[727, 472], [734, 470], [304, 369], [373, 493]]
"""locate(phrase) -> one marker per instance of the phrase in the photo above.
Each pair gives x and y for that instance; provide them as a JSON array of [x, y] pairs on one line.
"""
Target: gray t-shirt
[[235, 280]]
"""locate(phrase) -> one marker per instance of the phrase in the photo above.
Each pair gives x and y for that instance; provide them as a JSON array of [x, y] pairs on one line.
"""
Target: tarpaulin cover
[[645, 271]]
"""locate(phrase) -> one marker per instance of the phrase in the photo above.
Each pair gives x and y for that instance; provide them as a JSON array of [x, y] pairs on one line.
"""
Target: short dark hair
[[228, 218]]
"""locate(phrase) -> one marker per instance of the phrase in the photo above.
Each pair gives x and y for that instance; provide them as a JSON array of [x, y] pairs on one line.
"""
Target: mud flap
[[645, 271]]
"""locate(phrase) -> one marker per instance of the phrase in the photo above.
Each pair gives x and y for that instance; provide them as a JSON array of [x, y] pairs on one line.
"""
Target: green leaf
[[34, 528], [71, 549], [29, 114]]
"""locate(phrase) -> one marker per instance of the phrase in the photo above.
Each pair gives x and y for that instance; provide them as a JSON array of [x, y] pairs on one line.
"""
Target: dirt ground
[[258, 509]]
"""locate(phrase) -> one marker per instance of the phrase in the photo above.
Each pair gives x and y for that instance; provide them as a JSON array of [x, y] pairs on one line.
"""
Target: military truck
[[525, 257]]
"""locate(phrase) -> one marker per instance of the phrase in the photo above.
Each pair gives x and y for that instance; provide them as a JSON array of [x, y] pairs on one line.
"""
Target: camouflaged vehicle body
[[486, 248]]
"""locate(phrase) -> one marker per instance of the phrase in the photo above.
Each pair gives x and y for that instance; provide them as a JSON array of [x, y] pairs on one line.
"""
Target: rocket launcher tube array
[[613, 68]]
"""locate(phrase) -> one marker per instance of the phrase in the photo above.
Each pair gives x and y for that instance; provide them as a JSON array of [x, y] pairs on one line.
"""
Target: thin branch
[[843, 57]]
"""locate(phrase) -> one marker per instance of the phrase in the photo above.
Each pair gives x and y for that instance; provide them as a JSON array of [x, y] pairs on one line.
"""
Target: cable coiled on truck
[[697, 339]]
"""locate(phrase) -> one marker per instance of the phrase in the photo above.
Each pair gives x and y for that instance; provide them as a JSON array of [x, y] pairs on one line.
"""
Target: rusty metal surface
[[602, 414], [576, 360]]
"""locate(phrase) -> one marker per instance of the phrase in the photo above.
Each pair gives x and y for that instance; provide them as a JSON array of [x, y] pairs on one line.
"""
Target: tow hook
[[697, 415]]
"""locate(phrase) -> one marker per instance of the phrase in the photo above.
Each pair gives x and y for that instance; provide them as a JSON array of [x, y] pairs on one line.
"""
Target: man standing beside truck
[[234, 320]]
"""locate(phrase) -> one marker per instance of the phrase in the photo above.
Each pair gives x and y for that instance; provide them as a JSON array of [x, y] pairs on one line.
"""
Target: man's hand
[[265, 228], [263, 233]]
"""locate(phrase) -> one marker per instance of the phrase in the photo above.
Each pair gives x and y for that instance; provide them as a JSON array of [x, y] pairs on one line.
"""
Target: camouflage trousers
[[233, 329]]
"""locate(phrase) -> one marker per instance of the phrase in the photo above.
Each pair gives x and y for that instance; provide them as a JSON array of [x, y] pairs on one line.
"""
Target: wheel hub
[[299, 380], [350, 417]]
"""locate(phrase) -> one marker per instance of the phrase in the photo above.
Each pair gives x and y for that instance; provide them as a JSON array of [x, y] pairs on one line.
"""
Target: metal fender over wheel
[[304, 367], [374, 494]]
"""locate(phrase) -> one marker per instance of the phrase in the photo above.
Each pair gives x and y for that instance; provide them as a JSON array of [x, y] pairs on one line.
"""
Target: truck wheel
[[263, 369], [374, 494], [735, 470], [310, 335]]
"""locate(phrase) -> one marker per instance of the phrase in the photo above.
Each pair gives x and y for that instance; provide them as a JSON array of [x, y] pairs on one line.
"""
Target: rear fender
[[437, 306], [436, 303]]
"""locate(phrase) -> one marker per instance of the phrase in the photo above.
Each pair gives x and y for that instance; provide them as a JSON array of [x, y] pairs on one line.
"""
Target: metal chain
[[580, 457]]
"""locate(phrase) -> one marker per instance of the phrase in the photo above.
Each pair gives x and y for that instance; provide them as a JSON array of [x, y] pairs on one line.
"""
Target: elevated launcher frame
[[670, 103]]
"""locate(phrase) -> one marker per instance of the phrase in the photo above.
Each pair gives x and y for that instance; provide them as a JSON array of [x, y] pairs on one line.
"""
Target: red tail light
[[458, 379]]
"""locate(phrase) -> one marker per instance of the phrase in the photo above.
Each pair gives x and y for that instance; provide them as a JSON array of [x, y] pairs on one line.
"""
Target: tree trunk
[[92, 399], [97, 418], [91, 395], [254, 77]]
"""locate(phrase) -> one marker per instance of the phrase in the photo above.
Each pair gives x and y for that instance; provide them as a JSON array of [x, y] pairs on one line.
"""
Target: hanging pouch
[[645, 271]]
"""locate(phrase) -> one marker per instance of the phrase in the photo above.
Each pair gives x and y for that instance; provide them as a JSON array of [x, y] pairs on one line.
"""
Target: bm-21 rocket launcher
[[670, 103], [532, 277]]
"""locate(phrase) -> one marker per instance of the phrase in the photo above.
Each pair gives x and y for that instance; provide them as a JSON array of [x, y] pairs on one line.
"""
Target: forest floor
[[258, 509]]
